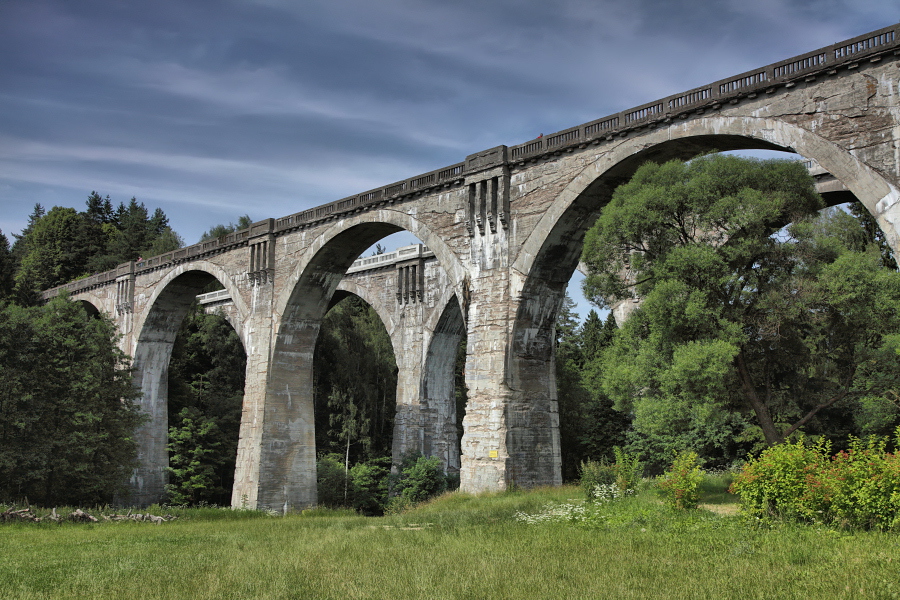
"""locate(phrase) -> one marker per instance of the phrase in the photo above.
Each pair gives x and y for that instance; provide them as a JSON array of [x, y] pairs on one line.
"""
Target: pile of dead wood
[[140, 517], [78, 516]]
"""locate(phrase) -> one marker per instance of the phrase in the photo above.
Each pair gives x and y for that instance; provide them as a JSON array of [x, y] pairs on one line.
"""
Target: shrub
[[865, 485], [598, 478], [859, 487], [330, 480], [596, 475], [786, 481], [398, 505], [192, 460], [680, 484], [420, 479], [629, 469], [369, 485]]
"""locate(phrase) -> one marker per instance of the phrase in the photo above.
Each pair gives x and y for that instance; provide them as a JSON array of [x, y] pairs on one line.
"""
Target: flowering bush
[[859, 487], [786, 481], [601, 477], [594, 475], [605, 492], [864, 484], [555, 513], [680, 484]]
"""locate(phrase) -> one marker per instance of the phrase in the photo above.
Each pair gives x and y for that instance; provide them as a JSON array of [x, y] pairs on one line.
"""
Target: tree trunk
[[770, 431], [347, 468]]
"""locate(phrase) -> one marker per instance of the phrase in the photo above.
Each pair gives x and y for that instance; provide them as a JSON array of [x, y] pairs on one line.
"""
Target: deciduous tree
[[740, 313]]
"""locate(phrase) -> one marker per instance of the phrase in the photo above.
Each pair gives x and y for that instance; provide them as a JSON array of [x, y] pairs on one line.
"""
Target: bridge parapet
[[368, 263], [847, 54]]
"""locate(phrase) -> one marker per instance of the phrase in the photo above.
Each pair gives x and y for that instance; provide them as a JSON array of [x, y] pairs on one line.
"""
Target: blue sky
[[211, 110]]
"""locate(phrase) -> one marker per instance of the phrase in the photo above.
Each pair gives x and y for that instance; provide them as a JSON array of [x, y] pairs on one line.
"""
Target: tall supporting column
[[511, 427], [257, 342], [411, 416], [151, 376], [276, 467]]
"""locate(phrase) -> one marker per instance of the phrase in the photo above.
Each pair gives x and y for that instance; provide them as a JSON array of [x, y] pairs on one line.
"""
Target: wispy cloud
[[198, 106]]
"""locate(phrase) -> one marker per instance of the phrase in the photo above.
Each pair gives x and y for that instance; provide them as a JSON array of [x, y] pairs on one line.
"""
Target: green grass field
[[457, 546]]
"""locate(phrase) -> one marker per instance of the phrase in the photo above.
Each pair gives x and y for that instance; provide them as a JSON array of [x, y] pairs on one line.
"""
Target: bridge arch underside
[[437, 410], [425, 420], [287, 464], [90, 308], [552, 252], [153, 351]]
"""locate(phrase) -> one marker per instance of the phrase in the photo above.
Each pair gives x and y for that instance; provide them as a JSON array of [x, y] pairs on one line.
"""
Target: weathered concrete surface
[[506, 227], [413, 296]]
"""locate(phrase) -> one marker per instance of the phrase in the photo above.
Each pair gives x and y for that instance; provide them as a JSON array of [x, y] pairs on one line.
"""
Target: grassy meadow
[[457, 546]]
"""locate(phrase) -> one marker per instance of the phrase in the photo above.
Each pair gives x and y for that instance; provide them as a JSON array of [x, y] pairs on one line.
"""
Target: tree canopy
[[219, 230], [354, 403], [755, 308], [67, 416], [64, 244]]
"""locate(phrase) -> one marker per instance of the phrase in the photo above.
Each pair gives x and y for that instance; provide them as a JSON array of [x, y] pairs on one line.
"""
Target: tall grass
[[457, 546]]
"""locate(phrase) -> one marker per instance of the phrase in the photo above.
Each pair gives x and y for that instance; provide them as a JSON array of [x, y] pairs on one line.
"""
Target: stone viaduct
[[505, 227]]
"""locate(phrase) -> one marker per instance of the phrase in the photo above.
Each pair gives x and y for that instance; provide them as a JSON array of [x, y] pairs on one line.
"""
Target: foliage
[[364, 487], [743, 320], [330, 480], [783, 481], [206, 387], [347, 425], [680, 484], [858, 487], [420, 478], [7, 268], [193, 450], [629, 469], [595, 473], [589, 426], [369, 484], [355, 378], [220, 230], [51, 258], [599, 477], [865, 485], [67, 412], [64, 244]]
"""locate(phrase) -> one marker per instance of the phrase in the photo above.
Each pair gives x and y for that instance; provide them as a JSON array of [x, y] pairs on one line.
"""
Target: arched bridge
[[506, 228]]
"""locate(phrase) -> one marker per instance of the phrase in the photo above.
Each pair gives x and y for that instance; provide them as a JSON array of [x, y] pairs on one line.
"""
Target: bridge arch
[[542, 268], [438, 390], [287, 475], [425, 354], [212, 271], [553, 247], [347, 287], [93, 304], [347, 238], [157, 327]]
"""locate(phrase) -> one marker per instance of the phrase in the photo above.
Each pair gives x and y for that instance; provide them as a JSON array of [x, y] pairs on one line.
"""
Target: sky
[[215, 109]]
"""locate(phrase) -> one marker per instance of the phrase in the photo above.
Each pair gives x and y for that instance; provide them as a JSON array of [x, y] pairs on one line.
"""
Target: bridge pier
[[151, 366], [511, 427]]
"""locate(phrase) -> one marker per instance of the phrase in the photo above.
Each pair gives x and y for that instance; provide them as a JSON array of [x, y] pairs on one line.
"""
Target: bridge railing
[[849, 53], [766, 79], [388, 258], [361, 201]]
